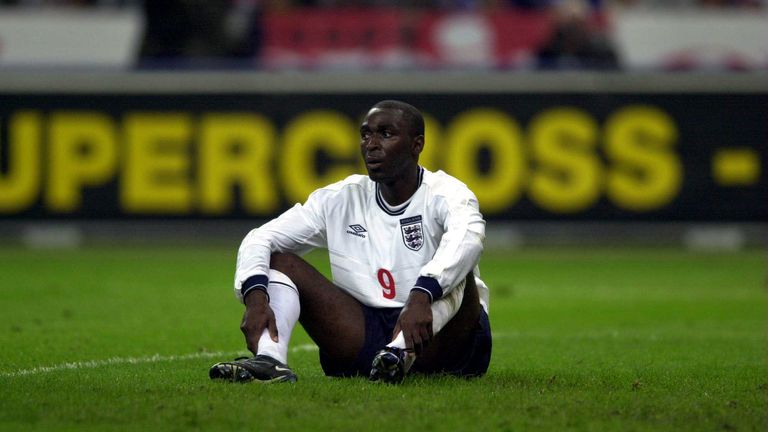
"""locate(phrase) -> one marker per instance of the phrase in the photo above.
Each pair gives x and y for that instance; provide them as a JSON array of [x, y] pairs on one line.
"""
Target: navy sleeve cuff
[[258, 282], [429, 285]]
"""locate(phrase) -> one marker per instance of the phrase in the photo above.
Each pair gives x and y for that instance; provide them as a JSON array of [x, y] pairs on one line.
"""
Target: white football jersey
[[378, 252]]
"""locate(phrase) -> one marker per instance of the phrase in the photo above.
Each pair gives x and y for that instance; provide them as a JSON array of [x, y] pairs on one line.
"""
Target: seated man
[[404, 244]]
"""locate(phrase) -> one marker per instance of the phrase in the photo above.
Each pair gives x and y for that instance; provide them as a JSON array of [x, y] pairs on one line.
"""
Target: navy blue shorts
[[379, 325]]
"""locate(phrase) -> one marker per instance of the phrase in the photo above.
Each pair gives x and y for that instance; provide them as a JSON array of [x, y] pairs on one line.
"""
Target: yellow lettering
[[646, 174], [305, 136], [20, 184], [567, 177], [494, 130], [236, 149], [157, 163], [83, 152]]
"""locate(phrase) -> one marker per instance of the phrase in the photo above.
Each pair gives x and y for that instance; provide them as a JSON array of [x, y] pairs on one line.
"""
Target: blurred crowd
[[186, 30], [201, 29], [450, 4]]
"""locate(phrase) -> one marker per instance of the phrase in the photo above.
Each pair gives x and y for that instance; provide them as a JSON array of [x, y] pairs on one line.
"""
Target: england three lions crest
[[412, 231]]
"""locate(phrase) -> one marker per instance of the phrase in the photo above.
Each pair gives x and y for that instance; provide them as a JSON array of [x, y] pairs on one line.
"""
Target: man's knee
[[470, 300], [308, 280], [302, 273], [465, 319], [287, 263]]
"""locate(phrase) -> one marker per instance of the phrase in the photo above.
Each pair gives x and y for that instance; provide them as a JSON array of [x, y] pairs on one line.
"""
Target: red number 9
[[387, 283]]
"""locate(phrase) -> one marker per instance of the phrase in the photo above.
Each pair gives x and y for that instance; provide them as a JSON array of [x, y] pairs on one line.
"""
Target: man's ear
[[418, 145]]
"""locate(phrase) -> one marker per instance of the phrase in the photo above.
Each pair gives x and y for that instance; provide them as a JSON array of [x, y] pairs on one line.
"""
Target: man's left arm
[[458, 252], [457, 255]]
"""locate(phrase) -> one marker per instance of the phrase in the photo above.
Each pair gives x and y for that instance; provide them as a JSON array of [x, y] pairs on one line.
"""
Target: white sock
[[443, 310], [284, 301]]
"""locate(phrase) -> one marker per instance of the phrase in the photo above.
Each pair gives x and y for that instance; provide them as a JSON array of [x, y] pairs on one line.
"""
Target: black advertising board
[[591, 156]]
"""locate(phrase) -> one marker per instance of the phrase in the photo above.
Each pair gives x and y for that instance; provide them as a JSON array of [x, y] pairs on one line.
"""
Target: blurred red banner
[[386, 38]]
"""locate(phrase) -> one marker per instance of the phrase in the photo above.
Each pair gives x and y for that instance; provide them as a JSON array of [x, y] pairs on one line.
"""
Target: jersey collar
[[398, 209]]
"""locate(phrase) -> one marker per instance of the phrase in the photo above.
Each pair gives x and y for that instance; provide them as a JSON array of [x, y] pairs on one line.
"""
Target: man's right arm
[[298, 230]]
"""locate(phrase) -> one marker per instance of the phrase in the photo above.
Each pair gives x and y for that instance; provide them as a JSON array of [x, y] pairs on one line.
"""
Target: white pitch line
[[157, 358]]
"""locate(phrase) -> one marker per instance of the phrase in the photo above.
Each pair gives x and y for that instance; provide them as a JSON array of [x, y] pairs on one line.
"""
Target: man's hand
[[415, 321], [257, 316]]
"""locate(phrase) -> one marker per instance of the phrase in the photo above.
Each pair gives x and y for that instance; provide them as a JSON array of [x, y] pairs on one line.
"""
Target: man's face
[[386, 144]]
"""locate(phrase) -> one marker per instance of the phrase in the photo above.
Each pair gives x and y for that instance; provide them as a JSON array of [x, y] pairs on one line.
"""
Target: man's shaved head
[[410, 114]]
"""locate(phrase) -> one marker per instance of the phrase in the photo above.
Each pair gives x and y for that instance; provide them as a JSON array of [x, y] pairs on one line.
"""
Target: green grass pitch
[[102, 339]]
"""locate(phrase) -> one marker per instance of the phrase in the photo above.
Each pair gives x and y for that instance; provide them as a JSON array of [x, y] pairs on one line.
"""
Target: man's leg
[[271, 356], [331, 317], [461, 344], [449, 347]]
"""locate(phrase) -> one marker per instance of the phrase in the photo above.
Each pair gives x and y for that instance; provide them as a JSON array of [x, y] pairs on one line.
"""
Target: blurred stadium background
[[576, 122]]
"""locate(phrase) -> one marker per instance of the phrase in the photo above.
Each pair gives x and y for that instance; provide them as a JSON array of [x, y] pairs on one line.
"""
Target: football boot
[[261, 368], [389, 366]]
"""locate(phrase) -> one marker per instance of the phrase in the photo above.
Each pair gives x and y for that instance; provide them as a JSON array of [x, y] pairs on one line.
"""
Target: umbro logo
[[357, 230]]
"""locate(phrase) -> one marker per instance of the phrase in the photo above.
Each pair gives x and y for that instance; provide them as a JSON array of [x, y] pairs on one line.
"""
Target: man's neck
[[400, 190]]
